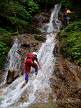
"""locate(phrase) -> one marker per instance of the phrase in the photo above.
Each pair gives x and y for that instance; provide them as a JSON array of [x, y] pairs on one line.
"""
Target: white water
[[14, 59], [38, 87], [53, 24]]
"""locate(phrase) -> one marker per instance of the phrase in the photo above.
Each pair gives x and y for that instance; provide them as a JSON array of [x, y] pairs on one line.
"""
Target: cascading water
[[14, 56], [14, 59], [38, 87], [53, 24]]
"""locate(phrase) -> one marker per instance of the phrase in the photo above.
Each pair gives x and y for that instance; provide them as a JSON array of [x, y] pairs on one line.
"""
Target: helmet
[[35, 53]]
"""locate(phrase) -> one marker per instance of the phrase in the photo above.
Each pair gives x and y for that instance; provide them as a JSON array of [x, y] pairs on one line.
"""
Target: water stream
[[13, 60], [38, 87]]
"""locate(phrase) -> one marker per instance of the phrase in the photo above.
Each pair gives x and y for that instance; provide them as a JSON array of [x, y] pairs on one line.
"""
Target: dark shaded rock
[[56, 50], [41, 18], [45, 28], [34, 44], [11, 76], [59, 74], [40, 37], [25, 45]]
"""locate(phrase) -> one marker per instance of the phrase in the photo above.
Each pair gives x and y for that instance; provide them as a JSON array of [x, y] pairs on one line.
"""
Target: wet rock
[[41, 18], [60, 94], [59, 74], [28, 44], [40, 37], [66, 83], [23, 99], [1, 92], [25, 45], [34, 44], [11, 76]]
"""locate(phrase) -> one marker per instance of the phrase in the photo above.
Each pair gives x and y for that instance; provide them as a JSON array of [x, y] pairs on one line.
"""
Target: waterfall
[[14, 57], [38, 87], [53, 24]]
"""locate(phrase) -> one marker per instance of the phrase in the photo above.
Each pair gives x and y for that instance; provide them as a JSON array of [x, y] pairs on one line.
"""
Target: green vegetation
[[66, 3], [5, 38], [42, 105], [70, 38], [15, 16], [3, 52]]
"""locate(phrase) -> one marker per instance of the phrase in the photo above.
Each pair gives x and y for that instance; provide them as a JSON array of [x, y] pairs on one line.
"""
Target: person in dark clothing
[[66, 16]]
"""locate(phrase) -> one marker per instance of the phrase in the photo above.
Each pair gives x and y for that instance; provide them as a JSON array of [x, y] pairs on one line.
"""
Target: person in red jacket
[[31, 60]]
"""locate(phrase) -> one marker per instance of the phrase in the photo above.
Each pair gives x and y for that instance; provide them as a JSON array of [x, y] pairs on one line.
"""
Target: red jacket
[[29, 61], [31, 56]]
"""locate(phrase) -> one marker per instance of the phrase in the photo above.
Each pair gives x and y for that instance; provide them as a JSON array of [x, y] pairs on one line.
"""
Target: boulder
[[11, 76]]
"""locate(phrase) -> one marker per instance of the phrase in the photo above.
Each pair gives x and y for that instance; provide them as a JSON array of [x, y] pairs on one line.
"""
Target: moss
[[43, 105]]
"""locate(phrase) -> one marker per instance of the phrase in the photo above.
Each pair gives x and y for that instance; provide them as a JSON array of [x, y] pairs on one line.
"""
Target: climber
[[66, 16], [31, 60]]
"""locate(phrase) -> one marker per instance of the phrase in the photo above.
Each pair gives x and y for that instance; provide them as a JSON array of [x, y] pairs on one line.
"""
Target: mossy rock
[[43, 105], [40, 37], [36, 31]]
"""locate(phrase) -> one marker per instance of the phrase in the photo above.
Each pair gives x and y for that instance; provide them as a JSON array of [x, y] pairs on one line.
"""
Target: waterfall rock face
[[57, 77], [14, 61], [41, 18], [38, 87], [21, 46], [66, 83]]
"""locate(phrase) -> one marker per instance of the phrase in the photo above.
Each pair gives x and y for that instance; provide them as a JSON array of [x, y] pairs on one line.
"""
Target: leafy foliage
[[46, 4], [75, 26], [15, 16], [71, 42], [32, 6], [5, 38], [66, 3], [3, 51], [16, 13]]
